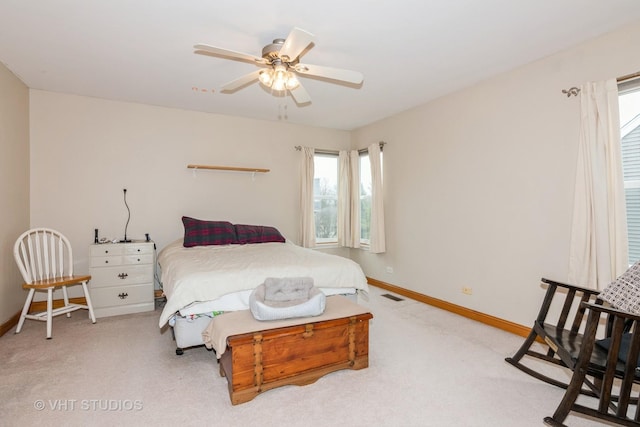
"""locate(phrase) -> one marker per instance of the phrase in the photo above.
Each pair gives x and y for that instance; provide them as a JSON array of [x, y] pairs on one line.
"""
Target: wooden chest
[[261, 360]]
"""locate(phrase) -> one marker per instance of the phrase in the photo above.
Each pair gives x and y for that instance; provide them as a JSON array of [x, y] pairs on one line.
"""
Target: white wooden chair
[[45, 261]]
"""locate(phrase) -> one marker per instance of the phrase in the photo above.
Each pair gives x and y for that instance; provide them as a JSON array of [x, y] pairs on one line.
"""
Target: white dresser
[[122, 277]]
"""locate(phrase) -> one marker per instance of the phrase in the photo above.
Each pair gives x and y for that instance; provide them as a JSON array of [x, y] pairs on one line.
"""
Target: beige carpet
[[427, 367]]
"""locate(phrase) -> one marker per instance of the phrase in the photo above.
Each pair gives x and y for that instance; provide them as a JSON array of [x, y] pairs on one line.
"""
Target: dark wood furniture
[[558, 325], [610, 373], [259, 361], [594, 342]]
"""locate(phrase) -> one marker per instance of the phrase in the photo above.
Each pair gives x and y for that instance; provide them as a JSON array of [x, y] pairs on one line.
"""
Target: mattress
[[212, 275]]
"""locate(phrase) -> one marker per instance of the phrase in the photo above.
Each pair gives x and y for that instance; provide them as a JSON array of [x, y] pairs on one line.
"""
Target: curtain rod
[[574, 91], [628, 77], [324, 151]]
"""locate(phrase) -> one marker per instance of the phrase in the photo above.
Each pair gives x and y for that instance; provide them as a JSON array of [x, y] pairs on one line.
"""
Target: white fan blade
[[295, 44], [349, 76], [300, 95], [240, 82], [204, 48]]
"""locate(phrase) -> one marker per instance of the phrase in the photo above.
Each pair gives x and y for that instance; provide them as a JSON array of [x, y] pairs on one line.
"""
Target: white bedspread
[[204, 273]]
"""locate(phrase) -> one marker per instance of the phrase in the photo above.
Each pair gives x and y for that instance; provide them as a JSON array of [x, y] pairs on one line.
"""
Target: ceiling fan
[[280, 63]]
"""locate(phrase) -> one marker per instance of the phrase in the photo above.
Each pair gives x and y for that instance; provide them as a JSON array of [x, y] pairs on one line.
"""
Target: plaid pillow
[[203, 233], [257, 234], [624, 292]]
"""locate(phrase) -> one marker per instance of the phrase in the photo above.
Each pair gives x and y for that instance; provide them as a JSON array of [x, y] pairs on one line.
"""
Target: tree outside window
[[365, 199], [325, 198]]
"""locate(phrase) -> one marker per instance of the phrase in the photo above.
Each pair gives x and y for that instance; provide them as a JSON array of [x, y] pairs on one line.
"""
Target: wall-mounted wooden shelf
[[228, 168]]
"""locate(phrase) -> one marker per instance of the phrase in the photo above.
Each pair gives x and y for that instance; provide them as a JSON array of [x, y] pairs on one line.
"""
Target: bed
[[201, 280]]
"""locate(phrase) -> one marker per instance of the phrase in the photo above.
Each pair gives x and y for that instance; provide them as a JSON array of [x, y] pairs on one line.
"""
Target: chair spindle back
[[43, 254]]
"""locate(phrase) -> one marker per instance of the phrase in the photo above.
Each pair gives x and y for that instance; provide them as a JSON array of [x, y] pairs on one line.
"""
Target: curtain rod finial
[[571, 91]]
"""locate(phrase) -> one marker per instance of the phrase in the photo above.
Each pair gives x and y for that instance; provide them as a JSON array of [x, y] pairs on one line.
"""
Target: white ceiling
[[410, 51]]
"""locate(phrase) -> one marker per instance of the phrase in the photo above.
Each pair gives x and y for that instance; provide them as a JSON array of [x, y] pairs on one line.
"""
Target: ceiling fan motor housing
[[271, 52]]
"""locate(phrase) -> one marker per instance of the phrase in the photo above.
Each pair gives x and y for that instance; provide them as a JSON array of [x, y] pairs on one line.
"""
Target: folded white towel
[[287, 288], [262, 309]]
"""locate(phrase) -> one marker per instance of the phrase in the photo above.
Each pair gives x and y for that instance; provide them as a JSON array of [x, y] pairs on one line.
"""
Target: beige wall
[[86, 150], [14, 186], [479, 184]]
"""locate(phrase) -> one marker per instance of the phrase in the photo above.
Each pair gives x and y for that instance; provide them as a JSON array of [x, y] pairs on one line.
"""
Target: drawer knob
[[123, 295], [123, 275], [106, 261]]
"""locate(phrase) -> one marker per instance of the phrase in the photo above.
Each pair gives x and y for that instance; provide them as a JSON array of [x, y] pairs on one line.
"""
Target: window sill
[[327, 245]]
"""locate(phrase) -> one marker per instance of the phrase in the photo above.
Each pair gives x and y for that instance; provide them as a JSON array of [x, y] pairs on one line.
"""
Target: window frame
[[633, 238], [362, 154], [323, 241]]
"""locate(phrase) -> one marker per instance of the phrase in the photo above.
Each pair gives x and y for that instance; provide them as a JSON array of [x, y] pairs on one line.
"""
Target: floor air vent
[[393, 297]]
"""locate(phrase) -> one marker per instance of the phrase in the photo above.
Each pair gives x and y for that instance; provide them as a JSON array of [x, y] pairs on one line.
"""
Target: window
[[325, 197], [629, 101], [365, 198]]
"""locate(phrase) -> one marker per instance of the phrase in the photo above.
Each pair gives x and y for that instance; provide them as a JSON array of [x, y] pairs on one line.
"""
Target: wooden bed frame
[[295, 355]]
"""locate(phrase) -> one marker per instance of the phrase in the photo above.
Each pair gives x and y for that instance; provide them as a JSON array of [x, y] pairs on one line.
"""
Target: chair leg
[[25, 310], [49, 311], [65, 297], [89, 304], [573, 391], [523, 348]]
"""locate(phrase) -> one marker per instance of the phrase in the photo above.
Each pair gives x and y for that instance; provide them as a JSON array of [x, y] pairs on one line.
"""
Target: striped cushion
[[202, 233]]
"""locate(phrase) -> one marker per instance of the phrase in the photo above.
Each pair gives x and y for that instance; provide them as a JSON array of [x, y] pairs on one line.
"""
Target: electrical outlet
[[467, 291], [389, 270]]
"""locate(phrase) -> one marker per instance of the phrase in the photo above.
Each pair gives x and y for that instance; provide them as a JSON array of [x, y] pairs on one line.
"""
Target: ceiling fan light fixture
[[292, 81], [278, 85], [266, 77], [279, 78]]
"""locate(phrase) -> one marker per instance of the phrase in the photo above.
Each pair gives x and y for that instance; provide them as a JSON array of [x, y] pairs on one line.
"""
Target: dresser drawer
[[121, 275], [107, 261], [110, 249], [106, 250], [143, 248], [115, 296]]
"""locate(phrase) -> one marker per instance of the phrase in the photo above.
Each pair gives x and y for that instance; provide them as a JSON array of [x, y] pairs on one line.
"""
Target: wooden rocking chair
[[607, 367]]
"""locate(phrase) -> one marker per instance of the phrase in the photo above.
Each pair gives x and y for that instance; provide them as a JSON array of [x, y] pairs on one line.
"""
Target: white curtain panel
[[599, 248], [354, 202], [344, 199], [376, 240], [307, 220]]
